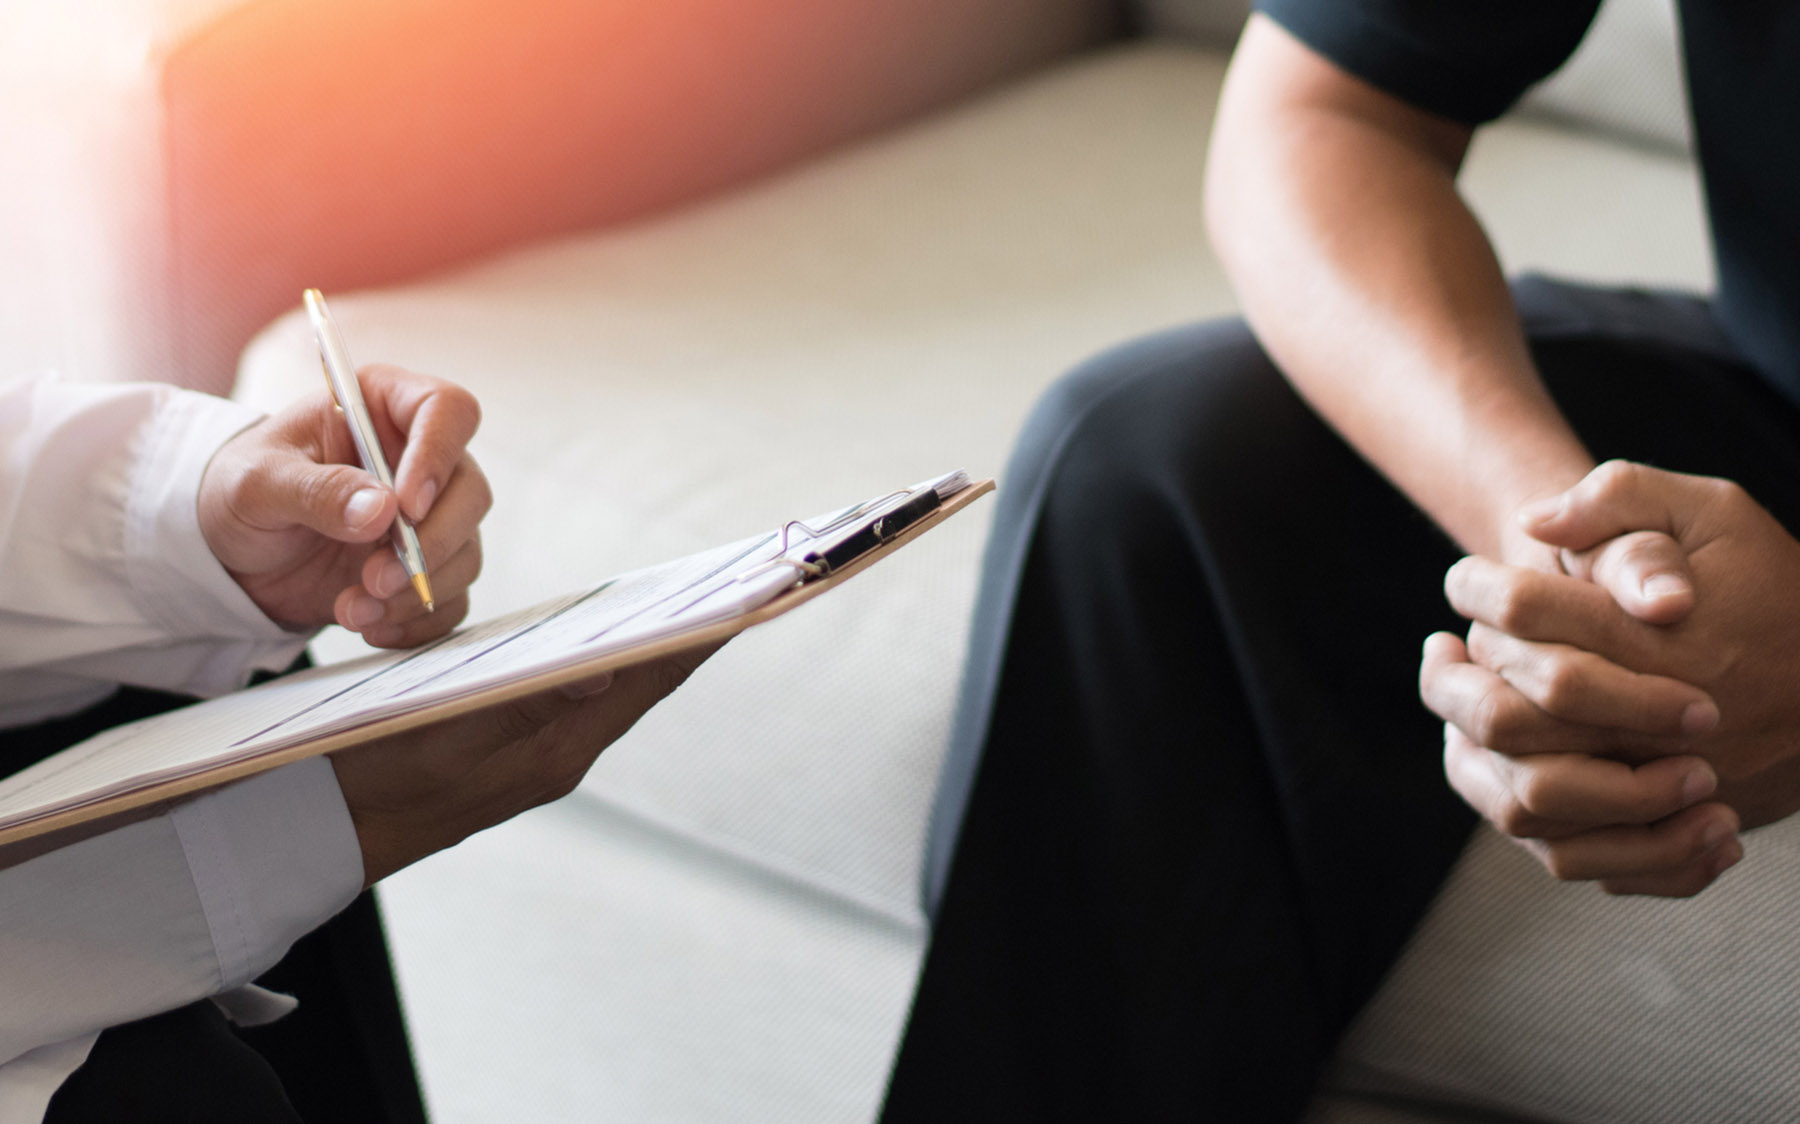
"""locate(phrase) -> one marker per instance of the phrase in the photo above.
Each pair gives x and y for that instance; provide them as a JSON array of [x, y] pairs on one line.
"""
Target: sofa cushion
[[1522, 1000]]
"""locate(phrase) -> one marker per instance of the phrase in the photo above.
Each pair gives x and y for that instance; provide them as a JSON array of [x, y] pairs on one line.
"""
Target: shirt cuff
[[272, 858], [180, 585]]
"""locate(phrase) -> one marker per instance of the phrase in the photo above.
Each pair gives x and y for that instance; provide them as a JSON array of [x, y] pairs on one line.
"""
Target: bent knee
[[1192, 404]]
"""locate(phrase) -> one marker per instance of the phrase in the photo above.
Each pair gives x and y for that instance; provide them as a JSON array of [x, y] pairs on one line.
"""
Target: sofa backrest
[[178, 170]]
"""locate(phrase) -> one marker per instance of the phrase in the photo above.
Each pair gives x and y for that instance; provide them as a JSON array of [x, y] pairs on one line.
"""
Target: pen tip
[[423, 585]]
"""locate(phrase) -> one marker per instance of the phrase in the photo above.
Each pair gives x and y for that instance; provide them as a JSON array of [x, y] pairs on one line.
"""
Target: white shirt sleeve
[[107, 578], [162, 912]]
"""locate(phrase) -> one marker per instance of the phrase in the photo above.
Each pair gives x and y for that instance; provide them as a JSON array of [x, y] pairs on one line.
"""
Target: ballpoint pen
[[341, 374]]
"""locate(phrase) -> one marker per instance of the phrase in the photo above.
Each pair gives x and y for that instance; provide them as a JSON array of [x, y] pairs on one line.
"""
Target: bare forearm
[[1375, 289]]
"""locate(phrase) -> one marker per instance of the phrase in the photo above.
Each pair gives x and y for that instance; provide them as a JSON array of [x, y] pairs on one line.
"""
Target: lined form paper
[[627, 611]]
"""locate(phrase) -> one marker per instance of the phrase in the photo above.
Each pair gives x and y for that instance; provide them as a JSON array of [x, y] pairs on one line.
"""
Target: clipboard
[[809, 560]]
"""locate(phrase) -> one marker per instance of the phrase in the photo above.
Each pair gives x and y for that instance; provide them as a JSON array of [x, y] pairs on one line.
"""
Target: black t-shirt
[[1471, 61]]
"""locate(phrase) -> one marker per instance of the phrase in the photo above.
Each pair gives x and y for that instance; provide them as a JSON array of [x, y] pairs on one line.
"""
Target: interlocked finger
[[1493, 712], [1553, 796], [1555, 608], [1662, 852], [1578, 686]]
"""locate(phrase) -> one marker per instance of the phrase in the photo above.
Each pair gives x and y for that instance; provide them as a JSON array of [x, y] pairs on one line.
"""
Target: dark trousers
[[1193, 808], [343, 1056]]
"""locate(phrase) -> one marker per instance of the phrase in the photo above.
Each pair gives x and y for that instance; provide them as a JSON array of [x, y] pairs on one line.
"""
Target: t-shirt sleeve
[[1466, 61]]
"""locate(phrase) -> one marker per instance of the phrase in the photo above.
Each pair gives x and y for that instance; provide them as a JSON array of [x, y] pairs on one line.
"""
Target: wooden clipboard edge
[[60, 829]]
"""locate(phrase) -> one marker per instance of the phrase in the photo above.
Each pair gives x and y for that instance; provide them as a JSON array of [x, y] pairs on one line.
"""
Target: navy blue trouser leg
[[1200, 806]]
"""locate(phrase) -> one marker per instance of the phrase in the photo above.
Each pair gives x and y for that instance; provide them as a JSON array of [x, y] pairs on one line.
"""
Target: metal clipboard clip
[[817, 564], [814, 565]]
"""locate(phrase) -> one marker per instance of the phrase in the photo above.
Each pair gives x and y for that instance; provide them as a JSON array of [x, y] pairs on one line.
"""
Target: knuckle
[[563, 779], [1458, 580], [669, 674], [1677, 851], [1481, 642], [440, 771], [238, 486], [1512, 818], [1497, 719], [1561, 865], [1614, 477], [1515, 608], [319, 491], [484, 491], [522, 718], [1686, 884], [1535, 794], [1428, 690], [1728, 492], [466, 404], [1564, 681], [1652, 804]]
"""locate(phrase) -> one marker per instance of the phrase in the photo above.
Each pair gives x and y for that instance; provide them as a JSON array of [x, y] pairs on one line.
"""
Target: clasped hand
[[1624, 718]]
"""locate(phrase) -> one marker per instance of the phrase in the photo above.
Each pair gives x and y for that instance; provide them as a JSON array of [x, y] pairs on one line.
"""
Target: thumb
[[1646, 572], [336, 500]]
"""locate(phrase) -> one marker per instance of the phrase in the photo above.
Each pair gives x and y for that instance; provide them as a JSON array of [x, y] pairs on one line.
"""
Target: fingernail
[[427, 494], [1542, 511], [363, 612], [1664, 585], [587, 687], [1699, 717], [1697, 787], [362, 508], [1715, 834]]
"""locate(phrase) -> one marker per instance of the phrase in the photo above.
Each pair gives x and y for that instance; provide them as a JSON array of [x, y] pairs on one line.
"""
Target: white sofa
[[722, 923]]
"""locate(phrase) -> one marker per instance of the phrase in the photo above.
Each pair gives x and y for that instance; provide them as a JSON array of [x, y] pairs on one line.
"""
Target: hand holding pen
[[307, 535]]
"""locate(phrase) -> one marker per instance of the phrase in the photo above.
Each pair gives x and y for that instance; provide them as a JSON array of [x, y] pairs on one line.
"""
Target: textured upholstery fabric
[[1626, 77], [1522, 1000]]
